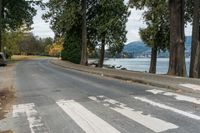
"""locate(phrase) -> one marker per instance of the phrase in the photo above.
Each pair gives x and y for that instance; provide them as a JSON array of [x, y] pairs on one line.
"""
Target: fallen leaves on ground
[[9, 131], [6, 99]]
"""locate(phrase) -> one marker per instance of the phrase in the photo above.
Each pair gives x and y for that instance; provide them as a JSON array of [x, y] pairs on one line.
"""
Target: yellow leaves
[[56, 48]]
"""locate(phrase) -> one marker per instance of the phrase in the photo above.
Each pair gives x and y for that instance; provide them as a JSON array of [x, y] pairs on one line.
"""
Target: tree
[[177, 55], [156, 35], [1, 23], [31, 45], [195, 50], [83, 25], [72, 48], [84, 34], [11, 41], [109, 26], [55, 48], [66, 21], [15, 13], [138, 4]]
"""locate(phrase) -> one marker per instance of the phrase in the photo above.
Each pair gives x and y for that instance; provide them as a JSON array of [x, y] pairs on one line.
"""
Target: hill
[[139, 49]]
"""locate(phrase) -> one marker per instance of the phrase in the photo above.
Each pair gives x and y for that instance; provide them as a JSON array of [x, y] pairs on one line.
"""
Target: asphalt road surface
[[51, 99]]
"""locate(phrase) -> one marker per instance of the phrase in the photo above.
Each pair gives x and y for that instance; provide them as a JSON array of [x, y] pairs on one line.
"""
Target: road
[[51, 99]]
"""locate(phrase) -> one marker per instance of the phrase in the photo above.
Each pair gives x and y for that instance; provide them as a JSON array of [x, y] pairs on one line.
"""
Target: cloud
[[40, 27], [135, 22]]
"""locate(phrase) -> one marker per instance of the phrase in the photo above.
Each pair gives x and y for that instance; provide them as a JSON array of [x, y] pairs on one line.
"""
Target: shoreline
[[138, 64]]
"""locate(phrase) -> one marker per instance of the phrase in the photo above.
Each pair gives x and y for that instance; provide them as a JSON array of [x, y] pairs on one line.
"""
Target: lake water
[[142, 64]]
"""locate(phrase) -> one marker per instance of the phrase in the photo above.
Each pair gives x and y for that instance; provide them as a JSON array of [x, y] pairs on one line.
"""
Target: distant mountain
[[140, 49], [135, 47]]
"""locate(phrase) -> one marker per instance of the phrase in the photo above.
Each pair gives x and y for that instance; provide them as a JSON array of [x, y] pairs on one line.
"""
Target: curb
[[132, 79]]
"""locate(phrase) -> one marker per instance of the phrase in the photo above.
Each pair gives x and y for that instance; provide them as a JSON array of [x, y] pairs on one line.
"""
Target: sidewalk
[[7, 95], [163, 81]]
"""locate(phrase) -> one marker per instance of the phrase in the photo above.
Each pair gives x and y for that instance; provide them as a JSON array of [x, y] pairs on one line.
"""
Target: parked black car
[[3, 61]]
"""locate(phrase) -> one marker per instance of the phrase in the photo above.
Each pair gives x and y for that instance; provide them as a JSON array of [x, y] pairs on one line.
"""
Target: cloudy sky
[[135, 22]]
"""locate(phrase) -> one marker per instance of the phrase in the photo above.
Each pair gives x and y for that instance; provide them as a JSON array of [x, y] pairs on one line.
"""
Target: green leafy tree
[[177, 13], [11, 41], [189, 7], [72, 48], [195, 50], [71, 21], [15, 13], [109, 26], [192, 15], [156, 35], [66, 20], [31, 45]]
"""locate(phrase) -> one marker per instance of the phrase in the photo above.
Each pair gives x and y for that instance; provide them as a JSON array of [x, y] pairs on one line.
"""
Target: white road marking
[[155, 91], [163, 106], [88, 121], [176, 96], [155, 124], [35, 121], [191, 86]]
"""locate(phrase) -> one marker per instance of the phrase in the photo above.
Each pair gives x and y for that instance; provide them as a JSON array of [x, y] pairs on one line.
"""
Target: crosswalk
[[155, 124], [175, 95], [163, 106], [191, 86], [35, 121], [90, 122]]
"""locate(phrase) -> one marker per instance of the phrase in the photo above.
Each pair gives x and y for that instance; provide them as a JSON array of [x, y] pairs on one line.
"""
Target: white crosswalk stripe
[[35, 121], [89, 122], [155, 124], [176, 96], [163, 106], [191, 86]]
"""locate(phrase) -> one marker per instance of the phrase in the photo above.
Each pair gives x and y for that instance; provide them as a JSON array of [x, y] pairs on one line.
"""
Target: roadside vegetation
[[6, 99], [6, 131], [91, 27], [25, 44], [16, 19], [94, 24]]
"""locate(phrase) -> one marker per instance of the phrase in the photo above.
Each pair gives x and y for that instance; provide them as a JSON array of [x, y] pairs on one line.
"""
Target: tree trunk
[[194, 68], [102, 52], [84, 34], [177, 55], [154, 52], [1, 28]]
